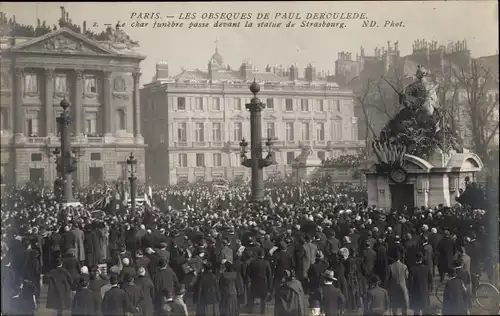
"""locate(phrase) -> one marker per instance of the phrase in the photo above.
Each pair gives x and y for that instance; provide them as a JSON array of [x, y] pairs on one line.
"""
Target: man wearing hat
[[420, 285], [147, 289], [377, 298], [86, 302], [332, 300], [455, 297], [259, 275], [134, 292], [60, 285], [116, 301], [165, 282]]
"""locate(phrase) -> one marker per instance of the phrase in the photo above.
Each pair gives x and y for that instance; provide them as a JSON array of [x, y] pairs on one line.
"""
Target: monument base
[[71, 204], [305, 166], [427, 183]]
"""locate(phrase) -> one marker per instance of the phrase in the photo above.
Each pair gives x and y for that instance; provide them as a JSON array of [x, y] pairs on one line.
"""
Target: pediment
[[270, 118], [238, 117], [63, 41]]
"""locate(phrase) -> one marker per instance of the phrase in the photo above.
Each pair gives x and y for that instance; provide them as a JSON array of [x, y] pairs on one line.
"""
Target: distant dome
[[217, 59]]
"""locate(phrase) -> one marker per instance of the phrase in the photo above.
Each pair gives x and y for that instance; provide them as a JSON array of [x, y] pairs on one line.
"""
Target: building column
[[78, 102], [136, 105], [49, 100], [108, 107], [19, 107]]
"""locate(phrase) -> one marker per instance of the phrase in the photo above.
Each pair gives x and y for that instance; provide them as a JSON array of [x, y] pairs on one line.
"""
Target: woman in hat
[[229, 294], [290, 299], [207, 294], [25, 303], [177, 305]]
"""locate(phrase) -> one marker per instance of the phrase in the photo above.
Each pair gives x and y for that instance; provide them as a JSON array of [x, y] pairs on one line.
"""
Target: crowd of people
[[317, 249]]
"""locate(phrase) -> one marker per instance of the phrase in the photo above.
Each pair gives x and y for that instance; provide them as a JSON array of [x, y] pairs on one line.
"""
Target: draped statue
[[421, 125]]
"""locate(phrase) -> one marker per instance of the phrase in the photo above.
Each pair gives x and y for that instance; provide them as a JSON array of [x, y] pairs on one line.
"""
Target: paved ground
[[42, 311]]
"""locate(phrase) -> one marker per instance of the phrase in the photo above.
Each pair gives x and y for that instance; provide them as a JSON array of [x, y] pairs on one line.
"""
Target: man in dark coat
[[134, 293], [377, 298], [147, 290], [283, 261], [455, 299], [165, 282], [116, 301], [67, 240], [446, 251], [259, 275], [332, 299], [381, 262], [60, 286], [86, 302], [369, 257], [420, 286]]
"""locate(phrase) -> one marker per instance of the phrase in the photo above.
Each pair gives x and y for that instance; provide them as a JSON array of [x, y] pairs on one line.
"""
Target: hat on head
[[374, 279], [84, 270], [141, 271], [181, 290], [329, 275], [83, 281]]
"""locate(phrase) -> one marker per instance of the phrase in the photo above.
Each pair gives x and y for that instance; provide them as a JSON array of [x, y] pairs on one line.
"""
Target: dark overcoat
[[86, 303], [60, 285]]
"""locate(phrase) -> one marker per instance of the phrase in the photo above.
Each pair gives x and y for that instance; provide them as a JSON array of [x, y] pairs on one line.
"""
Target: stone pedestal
[[305, 166], [429, 182]]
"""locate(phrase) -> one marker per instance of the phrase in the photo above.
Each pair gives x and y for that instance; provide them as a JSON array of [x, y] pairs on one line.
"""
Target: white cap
[[84, 270]]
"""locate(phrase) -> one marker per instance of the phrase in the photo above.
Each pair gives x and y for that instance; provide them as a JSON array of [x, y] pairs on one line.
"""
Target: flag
[[146, 199]]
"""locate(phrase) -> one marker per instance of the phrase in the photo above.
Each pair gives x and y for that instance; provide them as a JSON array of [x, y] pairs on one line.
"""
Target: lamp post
[[132, 163], [256, 162], [65, 159]]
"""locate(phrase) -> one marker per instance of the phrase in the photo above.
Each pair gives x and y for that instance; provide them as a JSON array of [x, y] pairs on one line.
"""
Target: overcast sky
[[475, 21]]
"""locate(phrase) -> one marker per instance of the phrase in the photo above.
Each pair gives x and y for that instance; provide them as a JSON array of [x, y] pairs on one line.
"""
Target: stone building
[[98, 73], [194, 121]]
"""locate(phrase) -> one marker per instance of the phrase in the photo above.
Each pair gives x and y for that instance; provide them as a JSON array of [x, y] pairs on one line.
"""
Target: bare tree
[[477, 81], [448, 94], [378, 100]]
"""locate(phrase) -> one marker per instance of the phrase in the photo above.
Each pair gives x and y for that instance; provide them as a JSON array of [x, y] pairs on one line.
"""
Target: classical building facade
[[100, 78], [194, 121]]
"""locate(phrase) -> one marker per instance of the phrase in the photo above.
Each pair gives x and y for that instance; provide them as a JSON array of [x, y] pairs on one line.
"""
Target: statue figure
[[421, 125], [119, 38], [421, 93]]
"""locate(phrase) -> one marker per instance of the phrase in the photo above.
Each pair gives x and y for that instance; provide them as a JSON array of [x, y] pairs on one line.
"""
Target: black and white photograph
[[236, 158]]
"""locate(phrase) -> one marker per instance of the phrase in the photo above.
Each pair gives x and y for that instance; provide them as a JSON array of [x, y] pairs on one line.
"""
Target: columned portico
[[18, 105], [108, 112], [100, 79], [136, 106], [78, 102], [49, 99]]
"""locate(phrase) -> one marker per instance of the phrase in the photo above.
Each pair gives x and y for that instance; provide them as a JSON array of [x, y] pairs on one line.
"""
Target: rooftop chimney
[[161, 70], [294, 72], [310, 73]]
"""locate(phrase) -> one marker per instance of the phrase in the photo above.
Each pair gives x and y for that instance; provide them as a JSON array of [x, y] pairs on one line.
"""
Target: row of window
[[60, 83], [36, 157], [270, 131], [217, 159], [239, 104], [90, 122]]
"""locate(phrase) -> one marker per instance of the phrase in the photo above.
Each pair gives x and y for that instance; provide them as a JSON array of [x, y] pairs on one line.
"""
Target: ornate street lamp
[[256, 162], [65, 160], [132, 164]]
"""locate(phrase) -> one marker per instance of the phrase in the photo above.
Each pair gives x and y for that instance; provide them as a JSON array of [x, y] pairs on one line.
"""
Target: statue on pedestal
[[421, 126]]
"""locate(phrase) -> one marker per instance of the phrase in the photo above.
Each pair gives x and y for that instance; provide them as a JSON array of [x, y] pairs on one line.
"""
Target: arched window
[[121, 123]]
